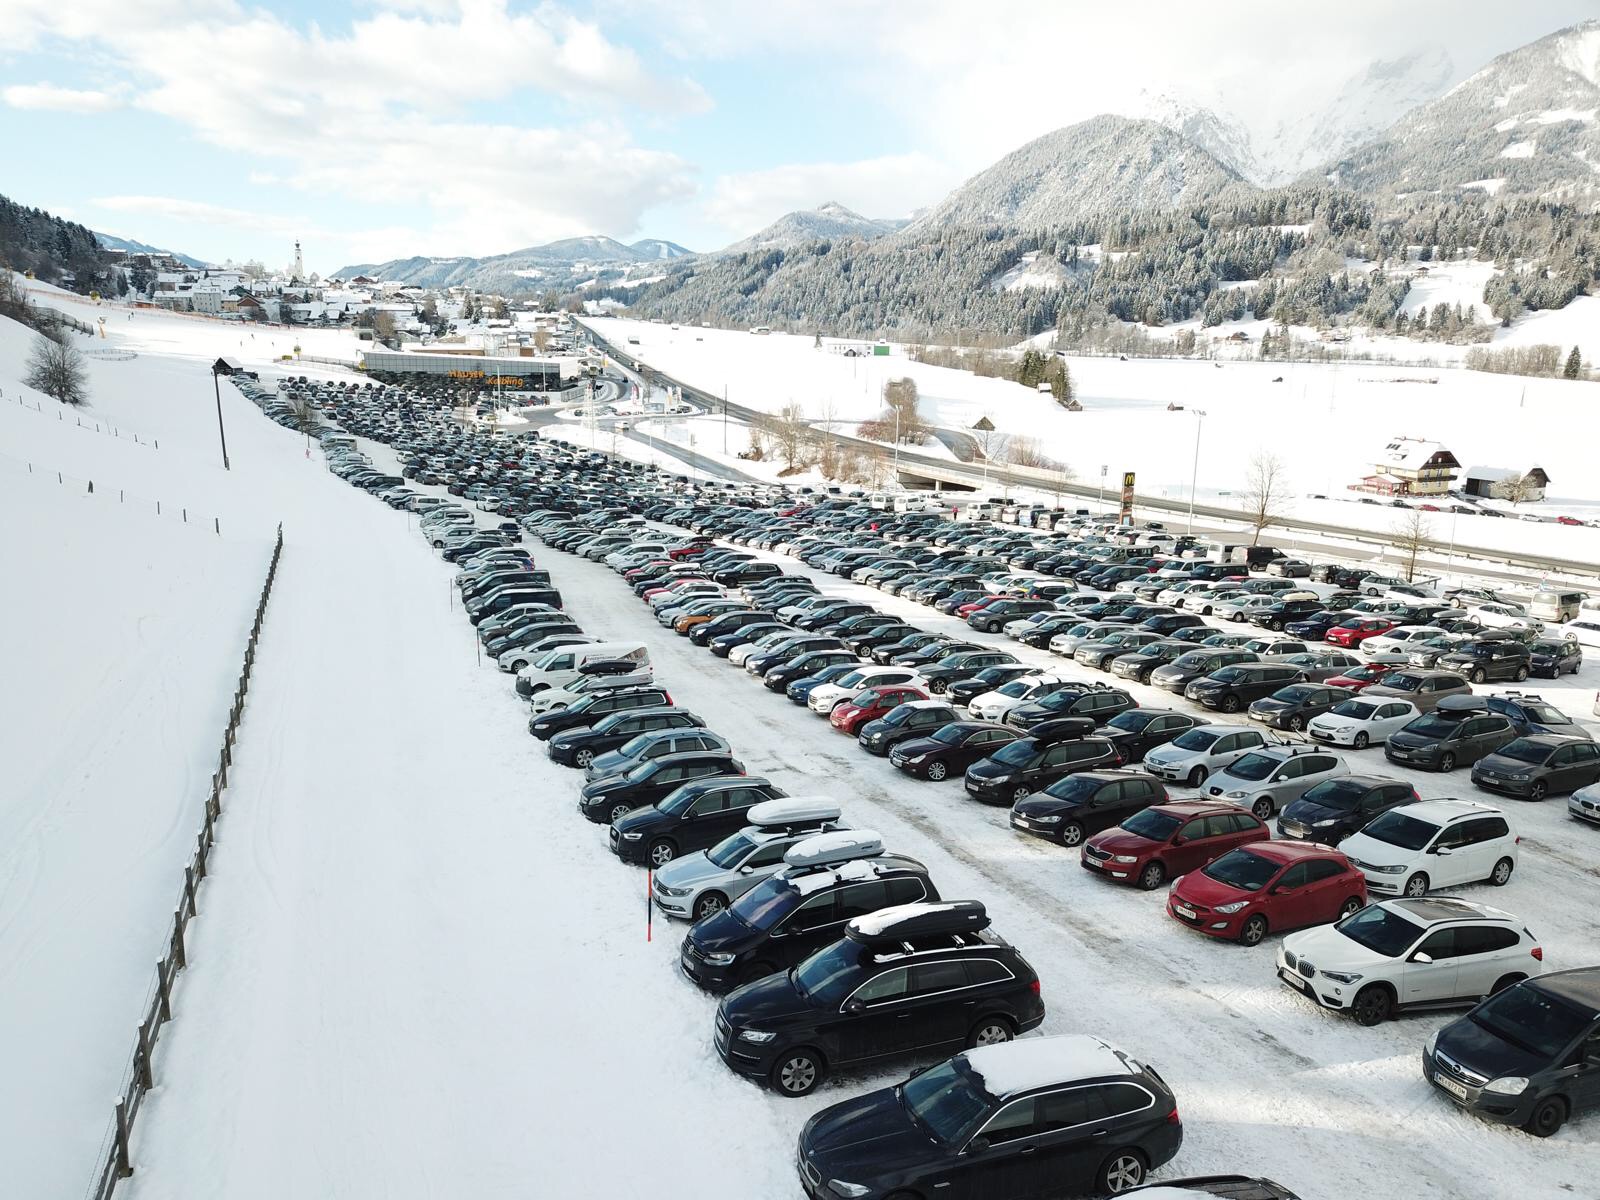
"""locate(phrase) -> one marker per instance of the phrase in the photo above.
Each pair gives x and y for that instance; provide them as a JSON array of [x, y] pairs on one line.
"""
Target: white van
[[562, 665], [1557, 604]]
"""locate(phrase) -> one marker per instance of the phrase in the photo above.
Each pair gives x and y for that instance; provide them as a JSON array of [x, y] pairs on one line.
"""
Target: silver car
[[1267, 779], [1194, 756]]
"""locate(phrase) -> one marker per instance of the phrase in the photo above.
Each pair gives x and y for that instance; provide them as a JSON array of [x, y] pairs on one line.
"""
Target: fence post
[[141, 1057], [179, 958], [124, 1165], [164, 1009], [188, 890]]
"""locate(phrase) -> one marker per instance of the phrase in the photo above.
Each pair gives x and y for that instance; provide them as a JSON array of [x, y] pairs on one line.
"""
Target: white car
[[1175, 594], [828, 696], [1192, 757], [1242, 606], [1584, 631], [1584, 804], [1503, 616], [1416, 953], [1398, 641], [740, 653], [1415, 848], [1204, 600], [1275, 645], [1360, 723], [1066, 644], [993, 706], [790, 613], [1015, 629]]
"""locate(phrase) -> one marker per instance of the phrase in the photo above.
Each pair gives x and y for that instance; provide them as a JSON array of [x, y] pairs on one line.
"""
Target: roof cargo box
[[827, 849], [793, 810], [908, 922]]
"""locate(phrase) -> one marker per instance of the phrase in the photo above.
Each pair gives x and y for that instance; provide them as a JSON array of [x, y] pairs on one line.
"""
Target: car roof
[[1196, 808], [1442, 812], [1433, 909], [1581, 984], [1008, 1068]]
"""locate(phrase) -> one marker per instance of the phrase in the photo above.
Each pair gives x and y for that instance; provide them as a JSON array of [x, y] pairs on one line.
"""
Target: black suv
[[1490, 659], [696, 816], [957, 667], [1293, 707], [1332, 810], [1527, 712], [778, 678], [1542, 1033], [1028, 765], [913, 719], [1070, 809], [1443, 739], [1093, 700], [1138, 664], [590, 709], [580, 747], [1276, 616], [991, 618], [1232, 688], [1183, 670], [830, 879], [1141, 729], [609, 799], [1071, 1115], [924, 978], [951, 749]]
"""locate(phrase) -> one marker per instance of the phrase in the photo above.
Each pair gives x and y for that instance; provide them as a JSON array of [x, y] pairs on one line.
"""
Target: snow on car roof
[[1029, 1063], [875, 924]]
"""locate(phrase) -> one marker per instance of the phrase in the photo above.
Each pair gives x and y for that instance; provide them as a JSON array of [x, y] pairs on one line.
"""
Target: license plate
[[1093, 863], [1186, 913], [1401, 754], [688, 966], [1294, 980], [1451, 1086]]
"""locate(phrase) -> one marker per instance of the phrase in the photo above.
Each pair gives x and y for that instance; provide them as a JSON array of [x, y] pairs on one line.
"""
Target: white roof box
[[906, 922], [829, 849], [794, 810]]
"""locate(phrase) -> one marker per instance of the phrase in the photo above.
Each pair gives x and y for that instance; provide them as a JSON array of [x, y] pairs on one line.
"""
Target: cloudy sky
[[383, 128]]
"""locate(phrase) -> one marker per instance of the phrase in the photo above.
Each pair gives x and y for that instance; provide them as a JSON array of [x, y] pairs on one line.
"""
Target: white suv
[[1270, 778], [1432, 952], [1415, 848], [992, 706], [1192, 757], [825, 697]]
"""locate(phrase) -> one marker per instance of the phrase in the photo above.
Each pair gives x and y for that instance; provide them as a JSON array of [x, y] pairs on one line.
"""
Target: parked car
[[1447, 738], [1528, 712], [1092, 700], [871, 703], [605, 801], [1268, 887], [1534, 766], [1176, 675], [581, 746], [1427, 952], [1529, 1055], [1336, 808], [1360, 722], [1139, 664], [656, 743], [1296, 706], [1028, 765], [997, 1117], [694, 816], [1191, 758], [1422, 687], [904, 722], [591, 708], [1551, 658], [1268, 778], [1410, 850], [1169, 840], [1358, 679], [1085, 802], [1137, 731], [913, 979], [1233, 688], [1489, 659], [823, 700]]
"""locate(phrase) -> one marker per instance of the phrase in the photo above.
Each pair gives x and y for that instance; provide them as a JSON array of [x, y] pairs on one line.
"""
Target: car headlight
[[1341, 976], [1235, 795], [1386, 870], [672, 891], [1124, 858], [1332, 821], [1507, 1085], [759, 1036], [720, 960], [917, 759], [632, 837], [1048, 820], [841, 1187], [1433, 1040], [1230, 909]]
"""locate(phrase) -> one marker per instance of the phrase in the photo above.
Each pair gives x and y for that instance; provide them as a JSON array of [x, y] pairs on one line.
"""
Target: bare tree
[[790, 433], [1411, 536], [1266, 492], [383, 327], [541, 340], [1518, 488], [901, 397], [57, 369], [1025, 451]]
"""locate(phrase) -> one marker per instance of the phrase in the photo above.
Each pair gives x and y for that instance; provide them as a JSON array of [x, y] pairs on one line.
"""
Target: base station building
[[511, 373]]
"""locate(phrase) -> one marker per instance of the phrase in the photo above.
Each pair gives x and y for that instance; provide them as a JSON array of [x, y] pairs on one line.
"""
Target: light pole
[[1194, 476], [1100, 493], [222, 433], [897, 445]]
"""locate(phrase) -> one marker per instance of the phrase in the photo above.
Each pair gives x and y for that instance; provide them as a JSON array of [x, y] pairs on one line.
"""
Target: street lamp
[[1194, 477], [217, 369]]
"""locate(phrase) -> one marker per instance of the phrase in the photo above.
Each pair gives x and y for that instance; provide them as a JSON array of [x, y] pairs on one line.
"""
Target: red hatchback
[[965, 610], [1358, 679], [1164, 840], [1269, 886], [870, 704], [1353, 633]]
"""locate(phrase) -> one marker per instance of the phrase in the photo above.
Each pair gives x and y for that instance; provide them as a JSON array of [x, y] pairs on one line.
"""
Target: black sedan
[[781, 676], [1141, 729], [1293, 707], [1071, 809], [606, 800], [986, 680], [1028, 765], [696, 816], [951, 749]]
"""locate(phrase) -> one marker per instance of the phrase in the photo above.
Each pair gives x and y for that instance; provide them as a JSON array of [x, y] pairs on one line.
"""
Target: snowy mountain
[[1106, 162], [1524, 125], [1208, 126], [658, 249], [825, 222], [112, 242], [561, 265]]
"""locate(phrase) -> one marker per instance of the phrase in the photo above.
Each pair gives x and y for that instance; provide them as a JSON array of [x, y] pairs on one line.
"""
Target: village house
[[1506, 483], [1410, 467]]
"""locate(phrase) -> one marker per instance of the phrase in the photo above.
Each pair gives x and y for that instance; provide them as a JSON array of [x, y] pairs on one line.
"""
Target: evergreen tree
[[1574, 367]]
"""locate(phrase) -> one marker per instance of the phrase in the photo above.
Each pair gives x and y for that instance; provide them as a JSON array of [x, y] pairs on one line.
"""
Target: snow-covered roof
[[1039, 1062], [1501, 474], [875, 924], [1413, 454]]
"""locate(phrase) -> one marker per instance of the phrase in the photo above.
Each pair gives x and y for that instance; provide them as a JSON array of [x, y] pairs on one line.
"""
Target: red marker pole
[[649, 910]]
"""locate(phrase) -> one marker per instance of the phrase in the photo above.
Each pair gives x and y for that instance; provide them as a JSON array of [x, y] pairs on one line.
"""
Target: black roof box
[[1062, 729], [907, 922]]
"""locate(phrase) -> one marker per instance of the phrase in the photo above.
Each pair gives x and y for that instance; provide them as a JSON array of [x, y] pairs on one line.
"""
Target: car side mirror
[[1440, 850], [1421, 957], [1180, 841], [978, 1145], [747, 870], [853, 1007]]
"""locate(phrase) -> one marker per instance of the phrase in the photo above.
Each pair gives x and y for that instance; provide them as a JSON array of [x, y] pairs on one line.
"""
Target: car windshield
[[1017, 688], [1075, 789], [1196, 739], [1253, 767], [1402, 682], [1148, 823], [1433, 725], [865, 699], [1242, 869], [1226, 674], [898, 715], [946, 1100], [1132, 720], [1546, 715], [1526, 750], [1530, 1018], [730, 851], [1015, 754], [1380, 930], [764, 905], [1358, 710], [1343, 794], [830, 975], [636, 745], [1363, 673], [952, 734], [1397, 829]]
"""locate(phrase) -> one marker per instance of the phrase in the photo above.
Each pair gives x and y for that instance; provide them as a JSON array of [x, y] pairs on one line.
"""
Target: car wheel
[[1349, 908], [1275, 626], [1480, 675], [537, 688], [1122, 1172], [797, 1073], [1297, 723], [1504, 982], [1522, 674], [1230, 704], [1447, 762], [1362, 741], [1152, 877], [1021, 793], [1416, 887], [1253, 930], [988, 1032], [938, 687], [1549, 1115], [709, 905], [662, 852], [1263, 808], [1373, 1004], [1501, 875], [937, 770], [1071, 834], [519, 664], [1196, 777], [1539, 790], [618, 811], [584, 757]]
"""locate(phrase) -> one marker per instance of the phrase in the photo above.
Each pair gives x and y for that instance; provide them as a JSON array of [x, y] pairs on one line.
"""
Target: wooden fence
[[116, 1161]]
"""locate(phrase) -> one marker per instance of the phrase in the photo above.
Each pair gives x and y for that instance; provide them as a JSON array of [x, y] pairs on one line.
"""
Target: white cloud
[[891, 186], [47, 97]]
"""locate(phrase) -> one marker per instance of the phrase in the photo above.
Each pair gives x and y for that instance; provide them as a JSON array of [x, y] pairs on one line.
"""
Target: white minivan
[[562, 665]]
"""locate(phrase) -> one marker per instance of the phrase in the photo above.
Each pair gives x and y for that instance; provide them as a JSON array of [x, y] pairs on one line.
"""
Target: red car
[[1359, 678], [1268, 886], [1353, 633], [1165, 840], [870, 704], [965, 610], [1568, 521], [679, 553], [673, 585]]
